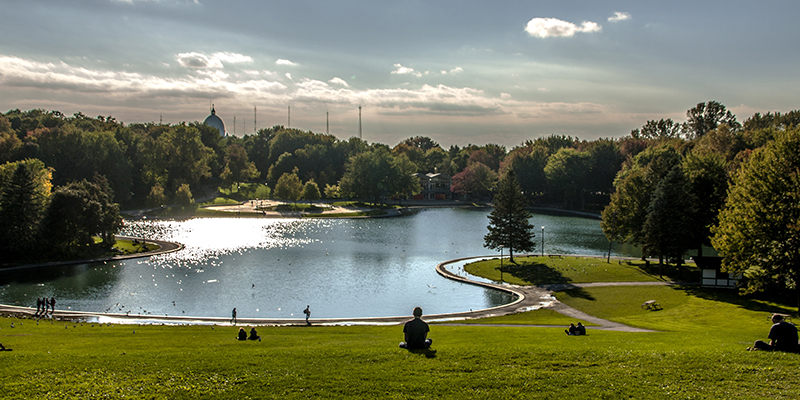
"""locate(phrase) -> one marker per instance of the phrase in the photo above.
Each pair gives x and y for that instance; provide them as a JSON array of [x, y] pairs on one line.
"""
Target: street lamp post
[[501, 263], [542, 241]]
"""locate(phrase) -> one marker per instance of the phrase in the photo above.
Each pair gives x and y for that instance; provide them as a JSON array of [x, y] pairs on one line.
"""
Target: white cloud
[[339, 81], [288, 75], [619, 16], [401, 70], [285, 62], [548, 27], [505, 96], [232, 58], [453, 71]]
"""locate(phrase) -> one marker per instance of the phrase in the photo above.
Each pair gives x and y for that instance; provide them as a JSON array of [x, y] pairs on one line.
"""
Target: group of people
[[574, 330], [307, 312], [253, 334], [43, 305]]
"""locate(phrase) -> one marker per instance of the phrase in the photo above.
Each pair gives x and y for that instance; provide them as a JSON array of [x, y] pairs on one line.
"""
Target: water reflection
[[273, 268]]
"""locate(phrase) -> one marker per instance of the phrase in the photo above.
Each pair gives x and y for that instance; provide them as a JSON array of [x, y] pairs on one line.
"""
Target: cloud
[[619, 16], [339, 81], [548, 27], [202, 61], [453, 71], [288, 75], [281, 61], [401, 70], [232, 58], [197, 60]]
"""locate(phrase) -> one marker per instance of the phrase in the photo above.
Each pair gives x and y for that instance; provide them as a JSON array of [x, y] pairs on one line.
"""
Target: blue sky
[[459, 72]]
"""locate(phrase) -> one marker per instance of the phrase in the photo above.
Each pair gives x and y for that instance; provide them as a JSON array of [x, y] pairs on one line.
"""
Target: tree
[[289, 187], [667, 230], [79, 211], [20, 211], [476, 179], [369, 175], [661, 129], [758, 233], [183, 196], [705, 117], [311, 191], [566, 173], [332, 191], [237, 166], [509, 225], [707, 182]]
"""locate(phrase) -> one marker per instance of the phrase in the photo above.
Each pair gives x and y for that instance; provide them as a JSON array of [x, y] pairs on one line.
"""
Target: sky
[[460, 72]]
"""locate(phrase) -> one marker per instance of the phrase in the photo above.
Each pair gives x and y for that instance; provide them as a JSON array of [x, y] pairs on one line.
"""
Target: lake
[[274, 268]]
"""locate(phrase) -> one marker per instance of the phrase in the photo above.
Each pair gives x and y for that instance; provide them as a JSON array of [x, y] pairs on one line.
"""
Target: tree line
[[667, 186]]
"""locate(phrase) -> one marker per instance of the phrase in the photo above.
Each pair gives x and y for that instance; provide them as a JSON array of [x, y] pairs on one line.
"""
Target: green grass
[[536, 317], [68, 360], [126, 246], [547, 270]]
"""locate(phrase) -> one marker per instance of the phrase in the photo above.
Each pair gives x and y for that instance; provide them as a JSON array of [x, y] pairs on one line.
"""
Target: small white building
[[712, 275]]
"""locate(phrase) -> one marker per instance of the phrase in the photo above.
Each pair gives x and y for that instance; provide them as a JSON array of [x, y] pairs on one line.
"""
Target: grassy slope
[[67, 360], [698, 353]]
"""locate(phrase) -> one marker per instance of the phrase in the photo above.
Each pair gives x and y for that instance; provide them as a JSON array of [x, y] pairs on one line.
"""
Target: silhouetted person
[[233, 316], [254, 335], [416, 333], [3, 348], [242, 334], [52, 305], [39, 303], [307, 312], [580, 330], [572, 330], [782, 335]]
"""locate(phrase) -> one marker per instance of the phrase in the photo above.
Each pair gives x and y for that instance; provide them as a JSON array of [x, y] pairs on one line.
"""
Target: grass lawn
[[536, 317], [546, 270], [58, 359]]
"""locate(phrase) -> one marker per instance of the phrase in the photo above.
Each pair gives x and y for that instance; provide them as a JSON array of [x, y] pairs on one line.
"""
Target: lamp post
[[501, 263], [542, 241]]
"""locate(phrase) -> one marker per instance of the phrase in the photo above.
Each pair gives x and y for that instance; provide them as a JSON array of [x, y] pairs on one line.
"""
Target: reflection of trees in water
[[497, 298], [79, 281]]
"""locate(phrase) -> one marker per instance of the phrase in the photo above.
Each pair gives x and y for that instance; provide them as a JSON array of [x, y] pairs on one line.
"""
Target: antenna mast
[[327, 124], [254, 119], [359, 122], [234, 124]]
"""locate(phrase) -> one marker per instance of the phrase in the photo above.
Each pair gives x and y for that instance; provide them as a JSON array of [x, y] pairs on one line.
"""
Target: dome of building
[[215, 121]]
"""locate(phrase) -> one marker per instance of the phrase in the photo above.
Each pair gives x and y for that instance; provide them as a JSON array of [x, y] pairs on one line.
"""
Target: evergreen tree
[[20, 212], [509, 225]]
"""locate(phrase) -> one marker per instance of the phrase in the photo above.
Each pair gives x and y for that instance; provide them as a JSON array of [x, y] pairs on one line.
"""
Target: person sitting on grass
[[580, 330], [3, 348], [782, 335], [572, 331], [254, 335], [415, 333], [242, 334]]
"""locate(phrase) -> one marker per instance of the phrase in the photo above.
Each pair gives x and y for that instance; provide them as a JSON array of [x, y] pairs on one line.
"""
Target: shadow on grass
[[535, 273], [428, 353], [579, 293], [753, 302], [671, 272]]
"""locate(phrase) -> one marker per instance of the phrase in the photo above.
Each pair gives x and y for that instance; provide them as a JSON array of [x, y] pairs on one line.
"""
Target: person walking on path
[[307, 312], [233, 316], [52, 305]]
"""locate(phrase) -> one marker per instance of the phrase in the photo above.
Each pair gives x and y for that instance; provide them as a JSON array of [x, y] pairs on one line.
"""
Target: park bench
[[651, 305]]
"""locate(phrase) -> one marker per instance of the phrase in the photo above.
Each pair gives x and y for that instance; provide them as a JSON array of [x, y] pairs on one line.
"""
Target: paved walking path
[[527, 298]]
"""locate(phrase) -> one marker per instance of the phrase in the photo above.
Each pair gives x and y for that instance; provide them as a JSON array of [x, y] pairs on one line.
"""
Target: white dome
[[215, 121]]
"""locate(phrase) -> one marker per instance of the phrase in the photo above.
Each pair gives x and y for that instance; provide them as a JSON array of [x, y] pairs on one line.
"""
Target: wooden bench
[[651, 305]]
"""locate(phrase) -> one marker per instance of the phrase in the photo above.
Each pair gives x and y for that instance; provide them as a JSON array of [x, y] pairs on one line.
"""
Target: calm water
[[273, 268]]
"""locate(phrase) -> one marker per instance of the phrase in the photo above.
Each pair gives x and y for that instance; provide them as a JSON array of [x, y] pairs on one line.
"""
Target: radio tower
[[327, 124], [254, 119], [359, 122]]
